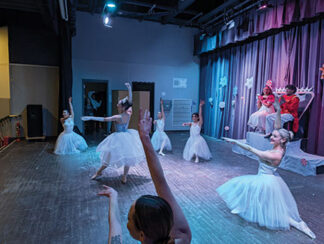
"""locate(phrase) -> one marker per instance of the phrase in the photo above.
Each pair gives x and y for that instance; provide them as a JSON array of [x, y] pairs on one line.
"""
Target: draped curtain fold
[[292, 56], [284, 13]]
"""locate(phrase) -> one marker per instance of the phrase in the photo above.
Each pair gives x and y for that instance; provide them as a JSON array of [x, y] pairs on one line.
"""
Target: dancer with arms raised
[[160, 139], [68, 141], [123, 147], [196, 145]]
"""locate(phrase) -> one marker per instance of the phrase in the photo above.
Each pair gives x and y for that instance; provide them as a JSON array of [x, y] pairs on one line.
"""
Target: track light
[[107, 21], [111, 5], [107, 12]]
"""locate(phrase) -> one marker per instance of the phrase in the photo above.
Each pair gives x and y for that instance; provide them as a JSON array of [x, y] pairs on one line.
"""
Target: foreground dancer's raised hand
[[115, 230], [180, 231]]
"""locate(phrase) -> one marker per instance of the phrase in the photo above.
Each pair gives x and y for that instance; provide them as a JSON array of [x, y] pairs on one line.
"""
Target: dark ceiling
[[202, 14]]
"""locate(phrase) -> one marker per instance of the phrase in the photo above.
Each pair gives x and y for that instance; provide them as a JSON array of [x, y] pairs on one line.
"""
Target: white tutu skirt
[[258, 119], [121, 149], [69, 143], [196, 145], [264, 199], [158, 138]]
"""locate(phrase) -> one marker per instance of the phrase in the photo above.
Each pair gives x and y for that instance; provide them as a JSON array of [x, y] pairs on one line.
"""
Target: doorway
[[95, 99], [146, 86]]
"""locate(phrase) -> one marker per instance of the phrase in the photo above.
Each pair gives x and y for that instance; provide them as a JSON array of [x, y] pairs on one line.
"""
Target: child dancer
[[265, 198], [196, 145], [68, 141], [123, 147], [257, 120], [160, 140]]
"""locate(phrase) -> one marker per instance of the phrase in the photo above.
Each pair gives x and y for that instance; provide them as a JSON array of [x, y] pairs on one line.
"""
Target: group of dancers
[[263, 198]]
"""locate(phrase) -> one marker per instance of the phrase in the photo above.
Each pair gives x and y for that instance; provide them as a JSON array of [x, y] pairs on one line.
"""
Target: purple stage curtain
[[284, 13], [292, 56]]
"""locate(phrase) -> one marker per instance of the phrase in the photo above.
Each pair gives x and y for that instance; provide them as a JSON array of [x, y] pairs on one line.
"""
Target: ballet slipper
[[197, 160], [302, 226], [161, 153], [96, 175], [235, 211]]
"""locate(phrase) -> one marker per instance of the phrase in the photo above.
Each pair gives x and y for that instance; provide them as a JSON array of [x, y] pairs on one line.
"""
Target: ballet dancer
[[160, 139], [68, 141], [196, 145], [265, 198], [123, 147]]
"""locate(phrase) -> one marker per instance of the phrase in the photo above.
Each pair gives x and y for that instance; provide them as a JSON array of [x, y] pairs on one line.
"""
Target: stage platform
[[295, 159], [47, 198]]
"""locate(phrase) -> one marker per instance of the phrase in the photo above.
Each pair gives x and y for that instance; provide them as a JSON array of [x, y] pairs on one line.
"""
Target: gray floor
[[49, 199]]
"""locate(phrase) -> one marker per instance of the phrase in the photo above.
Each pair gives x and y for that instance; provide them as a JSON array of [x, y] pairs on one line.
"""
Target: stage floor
[[50, 199]]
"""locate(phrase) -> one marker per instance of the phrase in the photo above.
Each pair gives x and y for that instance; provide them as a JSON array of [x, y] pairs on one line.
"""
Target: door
[[141, 99], [95, 100], [148, 87]]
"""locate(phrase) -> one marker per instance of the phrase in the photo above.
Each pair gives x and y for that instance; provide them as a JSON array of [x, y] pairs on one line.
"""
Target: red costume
[[266, 100], [290, 106]]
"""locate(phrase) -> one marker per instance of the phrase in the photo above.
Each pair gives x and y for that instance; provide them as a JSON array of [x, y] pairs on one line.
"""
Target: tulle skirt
[[196, 145], [121, 149], [158, 138], [264, 199], [69, 143], [258, 119]]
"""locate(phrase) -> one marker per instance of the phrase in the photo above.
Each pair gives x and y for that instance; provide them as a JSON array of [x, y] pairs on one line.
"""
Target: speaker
[[34, 121]]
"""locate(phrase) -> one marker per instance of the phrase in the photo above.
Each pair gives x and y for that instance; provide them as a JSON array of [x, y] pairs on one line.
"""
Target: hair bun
[[291, 135]]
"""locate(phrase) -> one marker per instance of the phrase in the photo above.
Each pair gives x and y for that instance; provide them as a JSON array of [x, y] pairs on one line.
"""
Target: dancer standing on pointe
[[196, 145], [68, 141], [160, 139], [123, 147], [265, 198]]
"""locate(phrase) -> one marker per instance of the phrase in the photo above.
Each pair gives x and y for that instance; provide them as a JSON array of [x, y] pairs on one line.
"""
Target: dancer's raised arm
[[270, 157], [130, 94], [162, 109], [115, 230], [180, 231], [276, 105], [71, 108], [101, 119], [201, 120]]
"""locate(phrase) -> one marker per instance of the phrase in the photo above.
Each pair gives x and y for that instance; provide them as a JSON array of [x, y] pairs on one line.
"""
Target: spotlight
[[107, 21], [110, 5]]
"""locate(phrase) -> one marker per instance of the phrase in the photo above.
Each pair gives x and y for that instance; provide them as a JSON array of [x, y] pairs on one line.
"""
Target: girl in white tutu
[[160, 139], [68, 141], [196, 145], [257, 120], [265, 198], [122, 148]]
